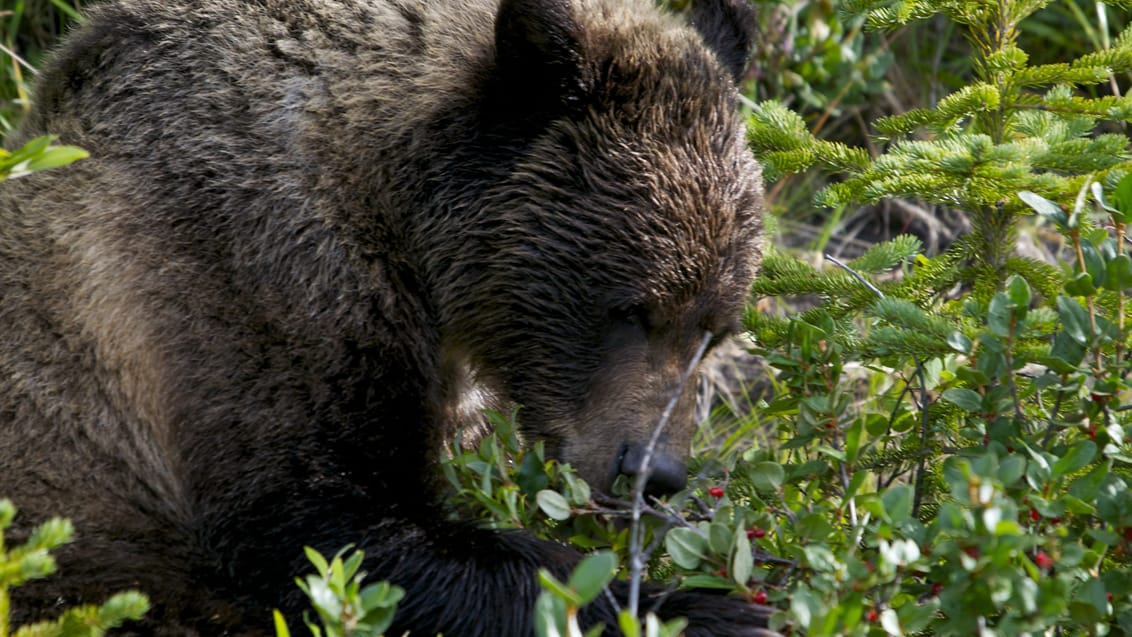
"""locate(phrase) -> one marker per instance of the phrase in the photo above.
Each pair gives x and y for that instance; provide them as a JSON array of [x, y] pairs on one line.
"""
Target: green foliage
[[948, 435], [959, 464], [557, 606], [949, 446], [1015, 127], [817, 58], [32, 560], [343, 606], [38, 154], [509, 486], [27, 30]]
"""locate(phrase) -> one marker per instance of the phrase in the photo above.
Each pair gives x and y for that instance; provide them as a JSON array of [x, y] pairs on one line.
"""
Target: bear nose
[[668, 474]]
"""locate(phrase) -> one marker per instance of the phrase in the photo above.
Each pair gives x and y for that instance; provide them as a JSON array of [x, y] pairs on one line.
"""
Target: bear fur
[[313, 236]]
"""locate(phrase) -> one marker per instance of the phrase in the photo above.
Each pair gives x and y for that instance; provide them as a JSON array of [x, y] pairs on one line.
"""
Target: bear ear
[[728, 29], [538, 56]]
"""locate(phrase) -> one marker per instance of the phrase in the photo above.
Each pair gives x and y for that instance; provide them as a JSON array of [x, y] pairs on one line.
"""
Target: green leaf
[[820, 558], [593, 574], [553, 504], [742, 561], [352, 564], [281, 629], [965, 399], [852, 442], [1078, 506], [563, 592], [316, 558], [719, 538], [1094, 263], [1074, 318], [1088, 486], [323, 598], [959, 342], [1122, 198], [1081, 284], [1119, 273], [550, 615], [813, 526], [999, 315], [1065, 355], [1011, 470], [1020, 295], [890, 622], [767, 476], [898, 501], [30, 149], [629, 623], [1077, 457], [708, 581], [55, 157], [378, 603], [1044, 207], [1090, 603], [686, 547]]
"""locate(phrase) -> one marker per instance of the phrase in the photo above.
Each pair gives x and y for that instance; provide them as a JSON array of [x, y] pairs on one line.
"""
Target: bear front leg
[[709, 614], [466, 581]]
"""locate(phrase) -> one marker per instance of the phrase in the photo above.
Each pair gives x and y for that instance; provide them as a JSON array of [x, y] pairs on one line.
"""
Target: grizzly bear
[[314, 238]]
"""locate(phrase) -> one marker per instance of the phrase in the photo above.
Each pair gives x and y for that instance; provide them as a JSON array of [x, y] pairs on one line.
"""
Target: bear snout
[[667, 473]]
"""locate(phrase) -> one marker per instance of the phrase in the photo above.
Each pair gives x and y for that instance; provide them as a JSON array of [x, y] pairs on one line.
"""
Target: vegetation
[[31, 560], [947, 436], [947, 447]]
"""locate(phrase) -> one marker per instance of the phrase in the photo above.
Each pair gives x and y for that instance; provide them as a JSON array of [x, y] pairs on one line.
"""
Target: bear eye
[[635, 316]]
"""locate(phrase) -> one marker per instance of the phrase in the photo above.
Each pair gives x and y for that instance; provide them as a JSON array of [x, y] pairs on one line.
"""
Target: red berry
[[972, 551], [1109, 596], [1034, 515], [937, 588], [1055, 520], [755, 533], [759, 597], [716, 492], [1043, 560], [872, 616]]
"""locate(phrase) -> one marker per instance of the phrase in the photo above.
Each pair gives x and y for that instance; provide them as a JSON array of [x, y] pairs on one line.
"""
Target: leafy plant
[[32, 560], [38, 154], [27, 29], [343, 606]]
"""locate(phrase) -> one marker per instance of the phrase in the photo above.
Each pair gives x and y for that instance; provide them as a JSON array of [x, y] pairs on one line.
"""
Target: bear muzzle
[[667, 473]]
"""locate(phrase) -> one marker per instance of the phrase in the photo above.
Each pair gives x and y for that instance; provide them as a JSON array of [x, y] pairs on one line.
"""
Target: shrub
[[949, 451], [32, 560]]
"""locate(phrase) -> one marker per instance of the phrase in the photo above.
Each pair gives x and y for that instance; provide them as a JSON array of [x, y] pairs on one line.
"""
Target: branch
[[636, 533]]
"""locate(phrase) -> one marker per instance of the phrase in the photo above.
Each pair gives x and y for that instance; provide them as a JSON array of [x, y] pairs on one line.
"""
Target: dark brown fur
[[310, 232]]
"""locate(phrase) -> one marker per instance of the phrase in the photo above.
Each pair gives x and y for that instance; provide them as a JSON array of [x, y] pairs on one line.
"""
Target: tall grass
[[28, 28]]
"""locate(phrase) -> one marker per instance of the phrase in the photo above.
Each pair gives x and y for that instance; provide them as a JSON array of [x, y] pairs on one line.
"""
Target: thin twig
[[15, 56], [636, 532], [865, 282], [924, 421]]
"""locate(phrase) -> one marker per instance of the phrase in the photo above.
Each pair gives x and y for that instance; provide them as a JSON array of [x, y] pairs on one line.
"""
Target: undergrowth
[[947, 444]]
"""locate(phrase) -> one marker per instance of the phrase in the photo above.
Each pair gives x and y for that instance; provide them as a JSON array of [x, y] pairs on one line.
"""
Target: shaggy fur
[[310, 233]]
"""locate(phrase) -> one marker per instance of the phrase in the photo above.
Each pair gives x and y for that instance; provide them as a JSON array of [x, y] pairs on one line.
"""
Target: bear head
[[625, 233]]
